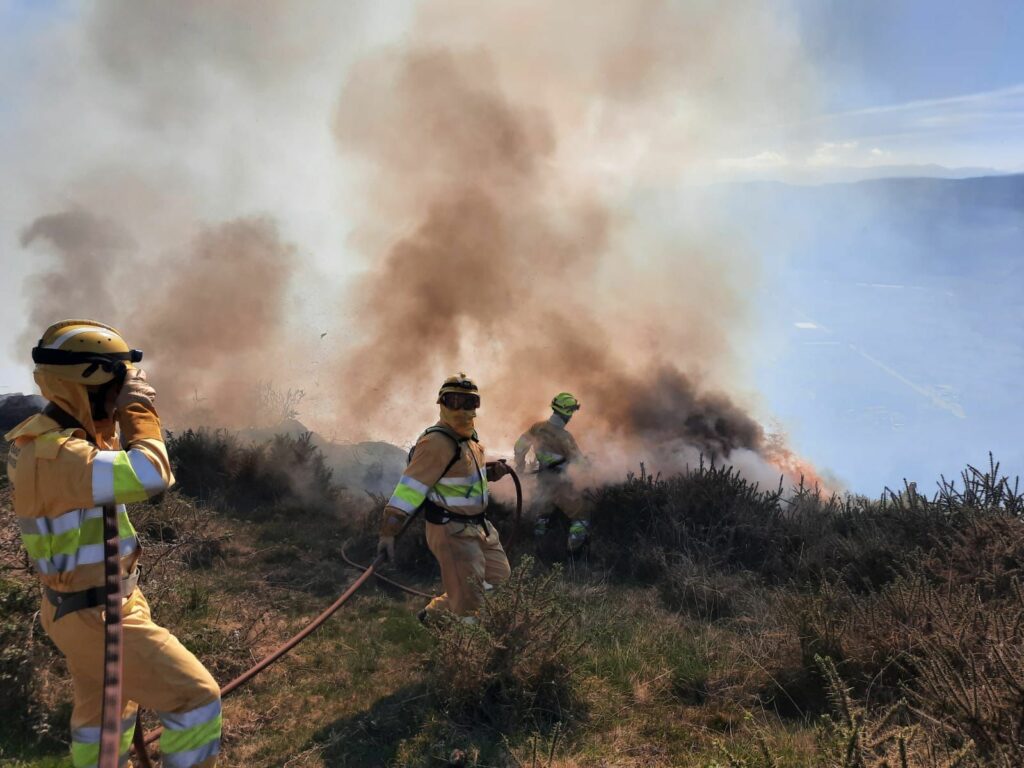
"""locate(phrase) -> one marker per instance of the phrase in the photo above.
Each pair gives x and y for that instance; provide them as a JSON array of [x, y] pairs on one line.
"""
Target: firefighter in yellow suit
[[448, 475], [65, 464], [555, 450]]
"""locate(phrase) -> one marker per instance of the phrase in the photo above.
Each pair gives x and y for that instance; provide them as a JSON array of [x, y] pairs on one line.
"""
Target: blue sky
[[909, 83], [880, 52]]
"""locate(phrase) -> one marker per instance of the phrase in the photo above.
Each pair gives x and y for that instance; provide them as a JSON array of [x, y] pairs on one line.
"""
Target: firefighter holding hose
[[447, 476], [65, 465]]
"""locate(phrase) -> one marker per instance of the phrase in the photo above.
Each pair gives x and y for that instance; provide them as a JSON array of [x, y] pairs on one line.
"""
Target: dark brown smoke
[[210, 315], [217, 322], [89, 252], [501, 156], [482, 259], [665, 406], [482, 251]]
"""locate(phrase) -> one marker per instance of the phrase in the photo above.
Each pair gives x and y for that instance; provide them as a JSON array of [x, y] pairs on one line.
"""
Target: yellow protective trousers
[[159, 674], [469, 555], [556, 490]]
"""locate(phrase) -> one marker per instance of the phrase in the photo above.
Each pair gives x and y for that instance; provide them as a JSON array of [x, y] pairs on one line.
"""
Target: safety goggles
[[459, 401], [111, 362]]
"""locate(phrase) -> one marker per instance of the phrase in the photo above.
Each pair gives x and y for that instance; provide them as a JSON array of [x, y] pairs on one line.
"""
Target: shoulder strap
[[65, 420], [451, 435], [454, 437]]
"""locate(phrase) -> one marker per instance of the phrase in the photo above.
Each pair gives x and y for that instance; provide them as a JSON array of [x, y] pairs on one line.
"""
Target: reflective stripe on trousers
[[190, 737], [85, 743]]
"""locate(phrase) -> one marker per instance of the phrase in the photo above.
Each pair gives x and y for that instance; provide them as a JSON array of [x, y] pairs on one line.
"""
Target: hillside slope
[[710, 624]]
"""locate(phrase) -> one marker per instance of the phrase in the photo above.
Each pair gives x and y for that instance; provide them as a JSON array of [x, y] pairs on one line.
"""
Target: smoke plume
[[495, 246], [88, 251], [293, 196], [215, 308]]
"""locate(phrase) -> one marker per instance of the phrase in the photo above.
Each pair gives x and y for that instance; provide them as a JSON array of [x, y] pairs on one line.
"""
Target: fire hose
[[141, 742], [381, 577], [110, 733]]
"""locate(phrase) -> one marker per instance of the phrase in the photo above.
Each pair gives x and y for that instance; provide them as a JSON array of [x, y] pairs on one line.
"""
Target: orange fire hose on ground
[[110, 732], [141, 742]]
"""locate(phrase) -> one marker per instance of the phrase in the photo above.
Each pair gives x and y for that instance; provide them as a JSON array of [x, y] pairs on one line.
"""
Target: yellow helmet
[[83, 352], [565, 404], [460, 384]]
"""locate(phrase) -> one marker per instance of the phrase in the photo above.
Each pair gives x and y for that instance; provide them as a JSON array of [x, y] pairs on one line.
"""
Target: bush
[[278, 476], [516, 664], [710, 514], [851, 737], [947, 633], [705, 592], [23, 715]]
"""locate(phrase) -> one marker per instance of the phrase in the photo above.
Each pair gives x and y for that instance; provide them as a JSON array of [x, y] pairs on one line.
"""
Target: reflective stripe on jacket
[[61, 482], [462, 489]]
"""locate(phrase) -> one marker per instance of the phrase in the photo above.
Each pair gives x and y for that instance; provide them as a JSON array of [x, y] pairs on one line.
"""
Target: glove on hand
[[393, 522], [386, 547], [135, 390]]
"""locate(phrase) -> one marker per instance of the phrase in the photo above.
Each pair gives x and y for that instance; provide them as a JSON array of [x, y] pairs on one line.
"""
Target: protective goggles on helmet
[[460, 401], [459, 383], [111, 362], [565, 404]]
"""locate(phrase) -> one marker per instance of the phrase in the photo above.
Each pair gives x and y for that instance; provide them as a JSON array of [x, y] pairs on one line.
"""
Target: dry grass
[[713, 624]]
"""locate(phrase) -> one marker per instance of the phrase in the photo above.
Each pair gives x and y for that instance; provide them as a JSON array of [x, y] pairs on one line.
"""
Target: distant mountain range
[[905, 228], [842, 174], [15, 408]]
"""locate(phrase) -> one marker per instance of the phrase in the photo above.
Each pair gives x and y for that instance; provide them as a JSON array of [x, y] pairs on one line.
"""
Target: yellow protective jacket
[[61, 483], [462, 489], [552, 444]]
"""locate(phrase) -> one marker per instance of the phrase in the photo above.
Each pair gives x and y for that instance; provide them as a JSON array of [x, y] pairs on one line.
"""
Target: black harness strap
[[434, 513], [69, 602], [439, 515], [65, 420]]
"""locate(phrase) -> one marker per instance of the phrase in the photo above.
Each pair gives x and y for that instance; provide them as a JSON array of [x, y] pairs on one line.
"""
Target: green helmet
[[565, 404]]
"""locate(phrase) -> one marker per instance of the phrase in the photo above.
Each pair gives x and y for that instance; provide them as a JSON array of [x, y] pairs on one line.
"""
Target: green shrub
[[286, 473], [24, 654], [517, 663], [711, 514]]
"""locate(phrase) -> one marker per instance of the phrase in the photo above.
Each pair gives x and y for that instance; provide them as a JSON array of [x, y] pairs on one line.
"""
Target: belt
[[439, 515], [69, 602], [554, 468]]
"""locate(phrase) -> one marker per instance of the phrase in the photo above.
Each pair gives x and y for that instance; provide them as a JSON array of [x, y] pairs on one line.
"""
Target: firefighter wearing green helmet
[[555, 450]]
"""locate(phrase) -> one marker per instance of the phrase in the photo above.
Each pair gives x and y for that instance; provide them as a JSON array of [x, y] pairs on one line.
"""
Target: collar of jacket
[[557, 421], [35, 425]]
